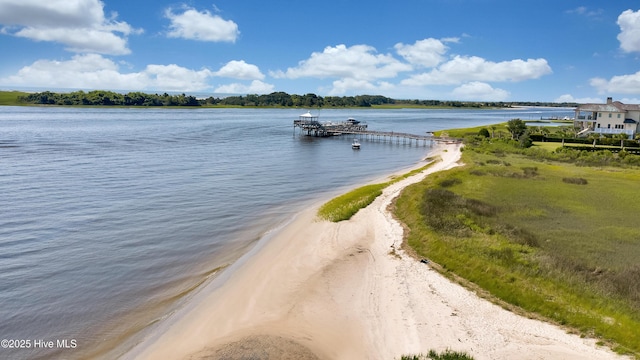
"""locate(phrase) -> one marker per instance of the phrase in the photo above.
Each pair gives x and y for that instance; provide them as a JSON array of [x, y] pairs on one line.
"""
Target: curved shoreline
[[347, 290]]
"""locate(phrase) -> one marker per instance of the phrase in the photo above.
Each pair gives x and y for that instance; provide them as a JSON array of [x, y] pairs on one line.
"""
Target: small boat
[[352, 121], [355, 144]]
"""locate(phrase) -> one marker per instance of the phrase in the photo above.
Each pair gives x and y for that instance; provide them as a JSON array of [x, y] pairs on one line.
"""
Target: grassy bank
[[9, 98], [555, 239], [345, 206]]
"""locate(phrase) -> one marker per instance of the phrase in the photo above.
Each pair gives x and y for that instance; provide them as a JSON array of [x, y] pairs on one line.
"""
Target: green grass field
[[548, 146], [557, 240], [10, 97]]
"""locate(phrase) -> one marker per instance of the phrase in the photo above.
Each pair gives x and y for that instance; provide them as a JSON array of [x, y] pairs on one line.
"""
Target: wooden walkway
[[315, 128]]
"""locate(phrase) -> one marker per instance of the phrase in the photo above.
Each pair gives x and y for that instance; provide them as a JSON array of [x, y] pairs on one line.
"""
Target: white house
[[613, 117]]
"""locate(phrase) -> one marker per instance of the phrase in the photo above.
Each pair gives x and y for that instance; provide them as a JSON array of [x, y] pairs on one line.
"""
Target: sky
[[467, 50]]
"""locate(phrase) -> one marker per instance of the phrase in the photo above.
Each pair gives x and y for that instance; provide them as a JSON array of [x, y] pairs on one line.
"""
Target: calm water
[[110, 216]]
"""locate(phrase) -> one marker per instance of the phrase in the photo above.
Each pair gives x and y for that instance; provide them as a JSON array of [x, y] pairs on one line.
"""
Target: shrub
[[448, 213], [577, 181], [450, 182], [530, 172]]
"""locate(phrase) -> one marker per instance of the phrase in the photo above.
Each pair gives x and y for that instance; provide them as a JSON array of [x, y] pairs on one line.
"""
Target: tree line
[[108, 98], [275, 99]]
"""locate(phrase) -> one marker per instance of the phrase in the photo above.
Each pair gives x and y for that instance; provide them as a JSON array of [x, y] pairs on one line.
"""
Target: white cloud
[[78, 24], [349, 86], [621, 84], [201, 25], [479, 91], [51, 13], [585, 11], [359, 62], [175, 78], [629, 37], [256, 87], [92, 71], [461, 69], [428, 52], [239, 69], [80, 40], [585, 100]]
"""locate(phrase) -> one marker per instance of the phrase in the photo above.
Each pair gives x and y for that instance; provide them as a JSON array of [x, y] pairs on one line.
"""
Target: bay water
[[111, 217]]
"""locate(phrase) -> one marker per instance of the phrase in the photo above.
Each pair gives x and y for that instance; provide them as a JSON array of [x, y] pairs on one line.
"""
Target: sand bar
[[320, 290]]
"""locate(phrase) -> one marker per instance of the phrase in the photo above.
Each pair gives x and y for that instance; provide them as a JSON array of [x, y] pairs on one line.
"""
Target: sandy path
[[335, 291]]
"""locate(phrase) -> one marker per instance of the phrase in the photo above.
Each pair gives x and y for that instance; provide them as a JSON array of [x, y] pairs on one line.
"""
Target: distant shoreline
[[104, 98]]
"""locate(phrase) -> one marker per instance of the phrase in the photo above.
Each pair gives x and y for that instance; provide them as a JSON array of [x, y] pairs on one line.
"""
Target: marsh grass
[[433, 355], [345, 206], [535, 240]]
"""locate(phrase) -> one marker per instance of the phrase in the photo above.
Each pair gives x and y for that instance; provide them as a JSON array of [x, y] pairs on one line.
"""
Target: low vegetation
[[345, 206], [433, 355], [553, 233], [10, 97]]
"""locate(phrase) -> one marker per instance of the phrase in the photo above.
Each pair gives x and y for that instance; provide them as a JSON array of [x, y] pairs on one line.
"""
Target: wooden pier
[[310, 126]]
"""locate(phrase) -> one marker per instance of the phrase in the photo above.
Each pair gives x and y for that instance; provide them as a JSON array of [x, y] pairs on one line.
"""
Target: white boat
[[355, 144]]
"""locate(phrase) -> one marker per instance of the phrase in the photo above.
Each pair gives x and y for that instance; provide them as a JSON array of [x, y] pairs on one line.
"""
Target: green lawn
[[549, 146]]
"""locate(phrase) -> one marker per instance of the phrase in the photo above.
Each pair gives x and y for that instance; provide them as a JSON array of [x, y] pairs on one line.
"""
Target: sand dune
[[320, 290]]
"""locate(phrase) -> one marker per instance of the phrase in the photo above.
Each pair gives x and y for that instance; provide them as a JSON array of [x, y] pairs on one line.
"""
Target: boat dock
[[309, 125]]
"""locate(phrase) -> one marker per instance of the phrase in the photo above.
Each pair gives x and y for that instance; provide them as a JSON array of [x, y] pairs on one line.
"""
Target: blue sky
[[485, 50]]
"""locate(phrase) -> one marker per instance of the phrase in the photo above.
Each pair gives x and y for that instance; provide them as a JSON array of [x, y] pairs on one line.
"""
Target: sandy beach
[[320, 290]]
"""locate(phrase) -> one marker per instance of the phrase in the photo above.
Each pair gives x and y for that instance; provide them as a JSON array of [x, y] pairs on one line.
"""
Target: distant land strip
[[275, 99]]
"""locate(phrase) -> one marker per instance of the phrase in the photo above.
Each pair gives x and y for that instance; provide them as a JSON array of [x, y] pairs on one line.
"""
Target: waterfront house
[[613, 117]]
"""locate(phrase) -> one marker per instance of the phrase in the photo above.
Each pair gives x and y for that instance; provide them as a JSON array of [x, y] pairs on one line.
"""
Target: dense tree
[[517, 128], [275, 99]]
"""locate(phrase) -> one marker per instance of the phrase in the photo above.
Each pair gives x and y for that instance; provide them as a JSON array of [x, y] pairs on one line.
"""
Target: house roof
[[600, 107], [615, 106], [627, 107]]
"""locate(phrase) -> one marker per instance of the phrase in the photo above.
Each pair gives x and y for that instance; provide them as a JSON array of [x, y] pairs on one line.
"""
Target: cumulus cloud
[[176, 78], [461, 69], [585, 100], [201, 25], [356, 62], [255, 87], [479, 91], [239, 69], [344, 86], [629, 37], [93, 71], [428, 52], [621, 84], [80, 25]]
